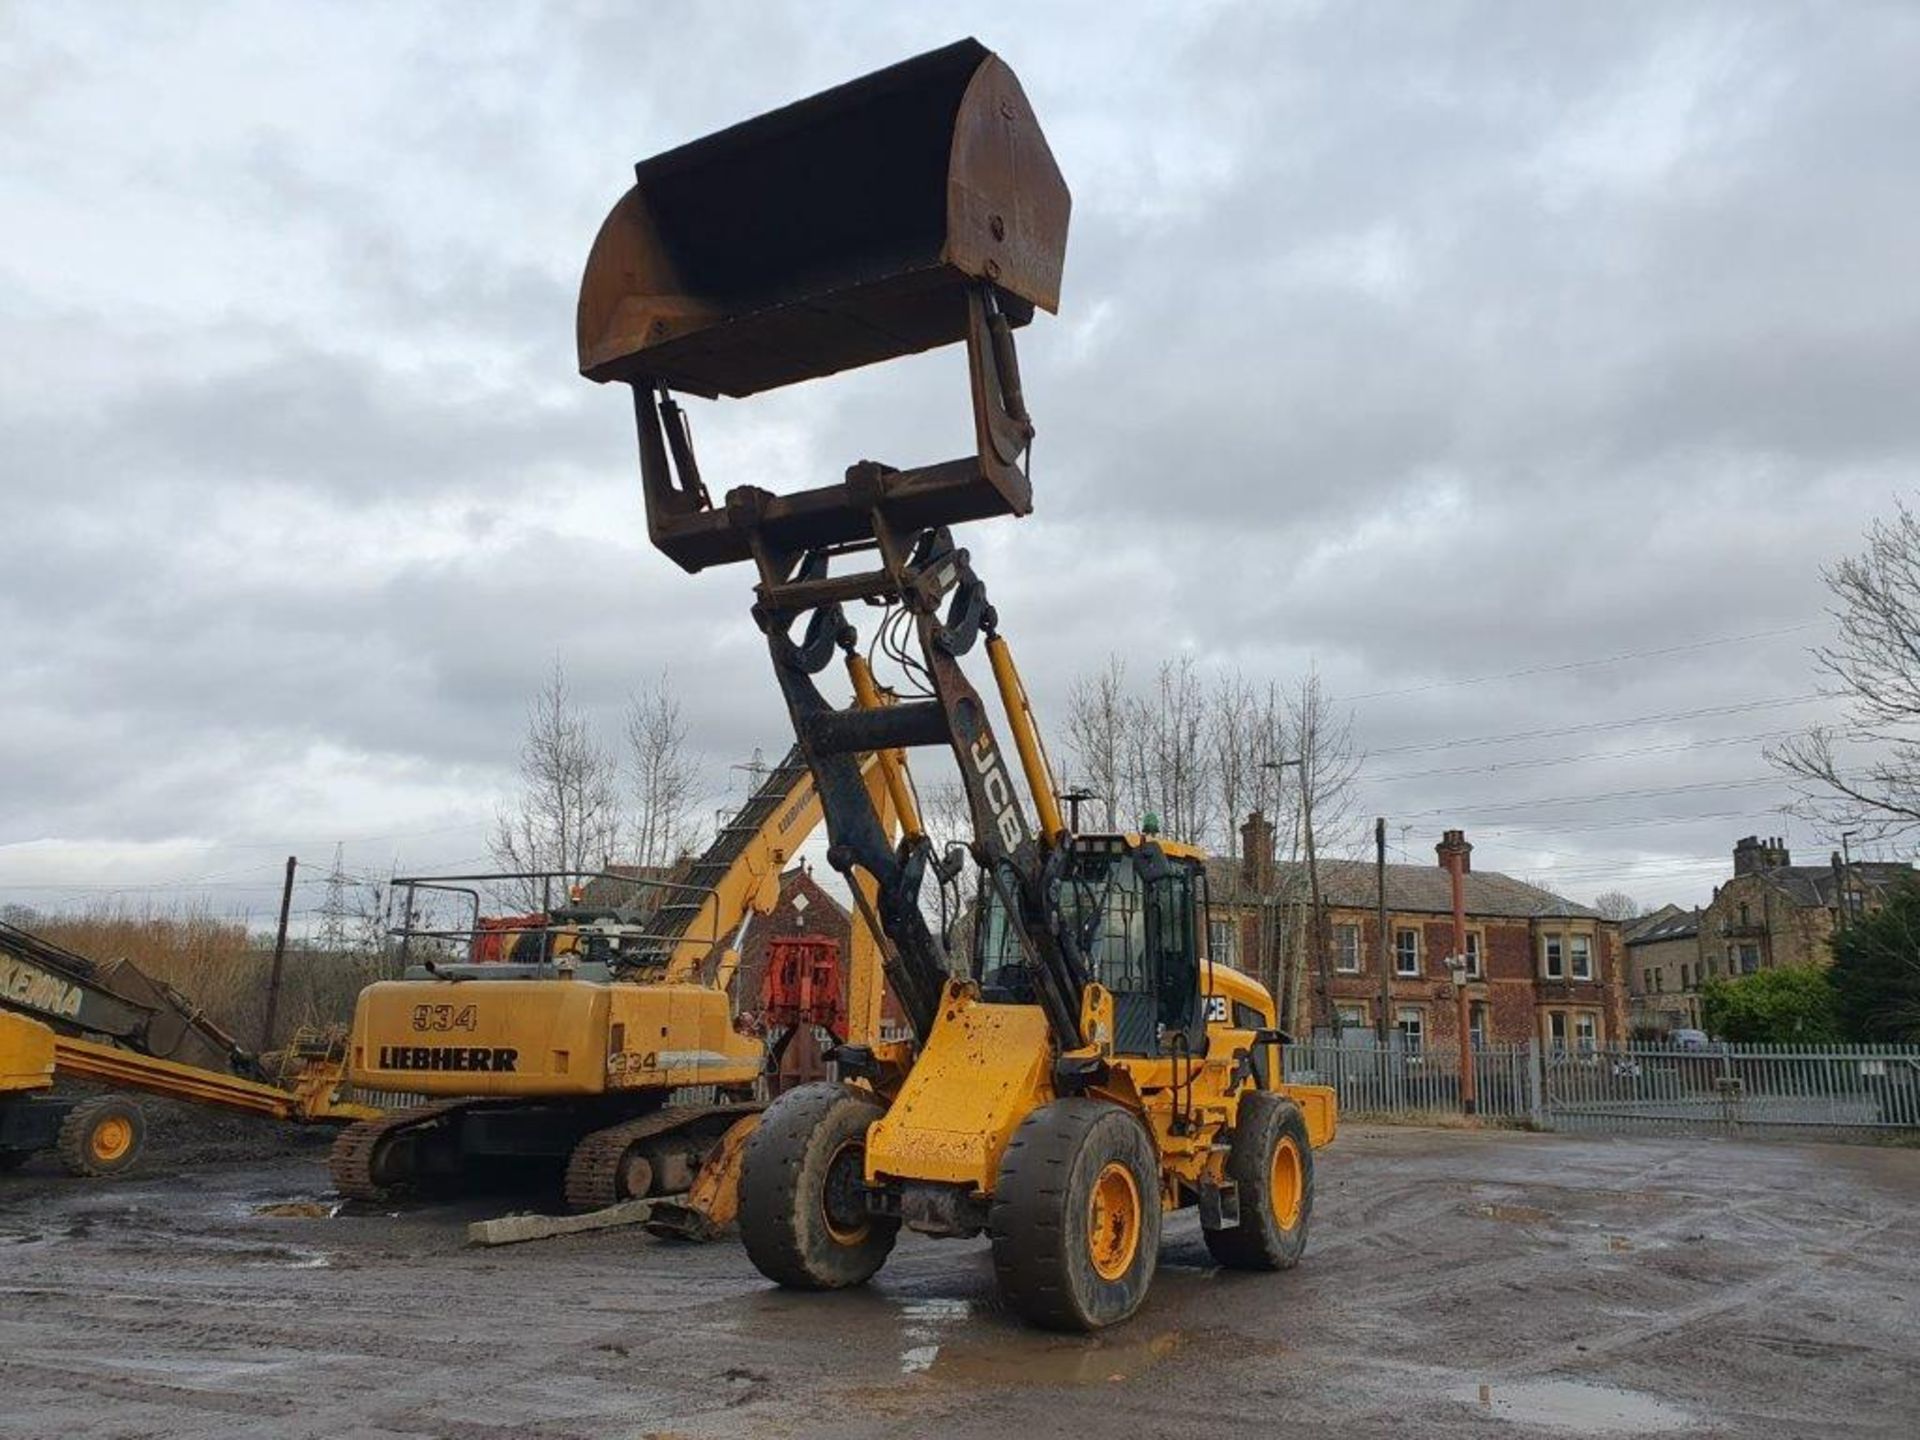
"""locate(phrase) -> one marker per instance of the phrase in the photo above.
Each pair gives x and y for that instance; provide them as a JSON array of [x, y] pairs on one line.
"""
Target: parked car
[[1689, 1040]]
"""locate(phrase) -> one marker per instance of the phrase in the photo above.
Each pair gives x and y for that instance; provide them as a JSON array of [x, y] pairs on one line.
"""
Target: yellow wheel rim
[[843, 1197], [111, 1138], [1113, 1221], [1289, 1183]]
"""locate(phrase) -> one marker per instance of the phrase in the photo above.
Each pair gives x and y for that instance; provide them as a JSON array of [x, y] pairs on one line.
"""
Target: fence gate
[[1748, 1089], [1833, 1092]]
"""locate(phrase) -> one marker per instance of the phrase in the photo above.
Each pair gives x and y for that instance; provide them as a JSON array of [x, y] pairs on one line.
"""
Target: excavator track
[[351, 1160], [593, 1170]]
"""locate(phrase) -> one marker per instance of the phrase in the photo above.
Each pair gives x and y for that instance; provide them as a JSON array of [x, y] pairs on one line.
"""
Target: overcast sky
[[1517, 365]]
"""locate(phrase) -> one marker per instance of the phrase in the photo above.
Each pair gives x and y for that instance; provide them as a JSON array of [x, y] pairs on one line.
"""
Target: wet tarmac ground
[[1491, 1284]]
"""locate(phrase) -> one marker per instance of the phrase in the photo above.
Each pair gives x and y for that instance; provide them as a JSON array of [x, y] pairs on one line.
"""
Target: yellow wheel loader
[[1084, 1067]]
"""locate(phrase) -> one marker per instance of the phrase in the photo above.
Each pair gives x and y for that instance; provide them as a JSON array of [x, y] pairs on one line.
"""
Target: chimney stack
[[1256, 854], [1752, 855], [1454, 842]]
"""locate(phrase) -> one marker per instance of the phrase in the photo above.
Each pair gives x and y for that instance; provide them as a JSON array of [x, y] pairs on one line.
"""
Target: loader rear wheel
[[803, 1194], [1076, 1216], [102, 1136], [1271, 1164]]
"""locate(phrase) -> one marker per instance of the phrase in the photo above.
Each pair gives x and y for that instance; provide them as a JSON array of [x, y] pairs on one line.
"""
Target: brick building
[[1540, 965], [1663, 971], [804, 908], [1771, 913]]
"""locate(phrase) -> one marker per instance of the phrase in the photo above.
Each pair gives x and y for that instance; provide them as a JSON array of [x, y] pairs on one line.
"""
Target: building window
[[1220, 938], [1646, 981], [1686, 976], [1557, 1031], [1744, 922], [1412, 1025], [1477, 1024], [1586, 1033], [1352, 1017], [1553, 959], [1473, 955], [1749, 959], [1346, 949], [1582, 946], [1406, 952]]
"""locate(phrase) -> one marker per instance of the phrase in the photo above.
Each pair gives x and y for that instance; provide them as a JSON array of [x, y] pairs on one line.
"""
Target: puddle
[[1019, 1361], [1513, 1214], [1577, 1408], [300, 1209], [294, 1260], [922, 1330]]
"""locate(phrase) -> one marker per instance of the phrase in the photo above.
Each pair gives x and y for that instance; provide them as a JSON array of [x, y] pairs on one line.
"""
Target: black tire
[[1272, 1233], [1056, 1266], [102, 1136], [13, 1159], [803, 1212]]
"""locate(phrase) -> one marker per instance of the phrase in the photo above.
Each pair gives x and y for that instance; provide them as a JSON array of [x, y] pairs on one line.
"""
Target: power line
[[1584, 664], [1602, 797], [1586, 727], [1672, 748]]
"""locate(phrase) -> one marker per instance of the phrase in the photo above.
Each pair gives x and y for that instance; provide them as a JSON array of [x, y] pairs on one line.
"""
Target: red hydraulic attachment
[[496, 935], [802, 985]]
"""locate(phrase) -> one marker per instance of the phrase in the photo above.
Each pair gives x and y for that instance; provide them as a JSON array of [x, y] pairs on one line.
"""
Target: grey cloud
[[1420, 343]]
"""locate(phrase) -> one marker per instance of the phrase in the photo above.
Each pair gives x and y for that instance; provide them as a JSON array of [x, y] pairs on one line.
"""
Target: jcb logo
[[999, 793]]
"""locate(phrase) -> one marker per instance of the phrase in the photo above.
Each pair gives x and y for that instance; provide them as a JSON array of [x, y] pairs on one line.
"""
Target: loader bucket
[[839, 231]]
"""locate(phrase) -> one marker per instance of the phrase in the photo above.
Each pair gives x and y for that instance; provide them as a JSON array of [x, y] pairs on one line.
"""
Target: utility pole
[[1844, 900], [1385, 1026], [279, 957]]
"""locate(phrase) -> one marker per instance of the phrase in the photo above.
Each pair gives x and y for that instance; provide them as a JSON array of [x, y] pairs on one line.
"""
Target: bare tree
[[1874, 665], [1097, 718], [1167, 765], [1237, 750], [1618, 905], [1325, 764], [567, 815], [664, 775]]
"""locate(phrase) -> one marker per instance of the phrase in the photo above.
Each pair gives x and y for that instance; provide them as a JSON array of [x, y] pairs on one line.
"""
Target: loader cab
[[1132, 907]]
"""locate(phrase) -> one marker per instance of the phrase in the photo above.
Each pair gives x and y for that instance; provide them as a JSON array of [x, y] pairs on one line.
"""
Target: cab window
[[1174, 943]]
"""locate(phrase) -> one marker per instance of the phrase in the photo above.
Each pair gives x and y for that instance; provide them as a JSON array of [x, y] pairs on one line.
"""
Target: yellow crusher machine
[[1085, 1067], [601, 1042], [66, 1017]]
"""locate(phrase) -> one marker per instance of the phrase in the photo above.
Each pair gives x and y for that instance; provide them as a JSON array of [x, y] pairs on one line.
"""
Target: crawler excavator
[[576, 1038], [1091, 1067]]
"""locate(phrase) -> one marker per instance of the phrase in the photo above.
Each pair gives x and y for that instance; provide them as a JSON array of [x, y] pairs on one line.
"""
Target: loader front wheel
[[803, 1195], [1271, 1165], [101, 1136], [1076, 1216]]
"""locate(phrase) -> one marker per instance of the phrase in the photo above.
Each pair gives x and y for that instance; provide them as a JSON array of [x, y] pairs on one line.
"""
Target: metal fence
[[1392, 1080], [1839, 1092]]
